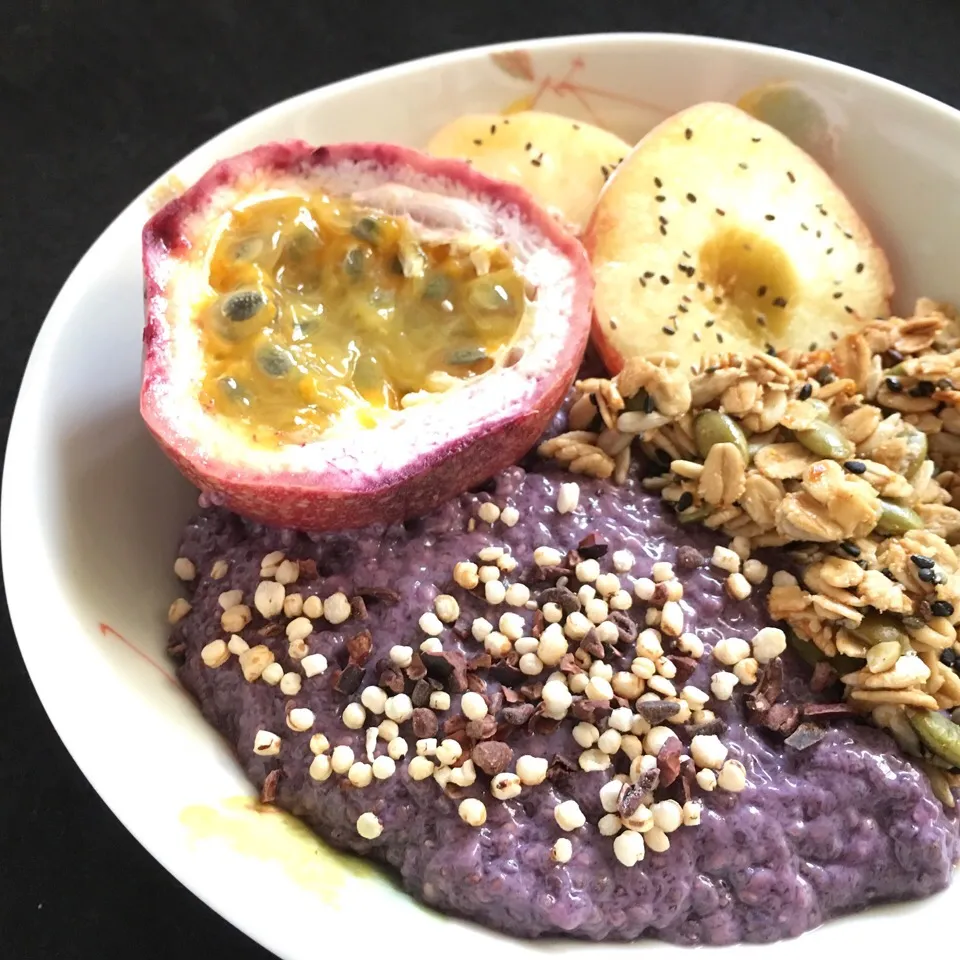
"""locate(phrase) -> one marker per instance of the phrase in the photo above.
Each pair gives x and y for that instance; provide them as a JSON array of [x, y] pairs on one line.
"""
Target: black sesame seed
[[742, 165], [838, 294], [829, 250], [761, 320], [663, 230], [721, 213], [769, 216], [803, 226], [851, 549], [718, 300], [941, 608], [663, 219], [710, 323], [761, 291], [770, 350], [791, 177], [894, 385], [818, 234], [664, 279], [648, 274], [848, 308], [657, 182], [927, 575], [859, 268], [576, 126], [754, 139], [692, 197], [701, 285], [669, 331], [685, 502], [779, 301], [528, 146], [685, 298], [659, 198], [696, 337], [921, 562], [719, 338], [855, 466], [493, 128], [478, 142], [682, 308], [536, 161], [643, 282], [688, 133], [805, 391]]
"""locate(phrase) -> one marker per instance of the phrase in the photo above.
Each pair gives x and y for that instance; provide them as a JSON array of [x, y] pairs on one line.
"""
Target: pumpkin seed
[[640, 402], [712, 427], [880, 628], [694, 516], [938, 732], [243, 305], [916, 452], [367, 229], [825, 440], [897, 518], [466, 356], [822, 408]]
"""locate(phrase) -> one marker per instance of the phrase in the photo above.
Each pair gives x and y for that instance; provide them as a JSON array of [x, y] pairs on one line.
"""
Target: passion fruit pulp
[[344, 335]]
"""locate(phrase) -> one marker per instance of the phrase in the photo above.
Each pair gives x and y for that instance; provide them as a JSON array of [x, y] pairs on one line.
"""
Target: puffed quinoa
[[738, 586], [448, 752], [219, 569], [552, 612], [505, 786], [692, 810], [768, 644], [399, 708], [732, 776], [440, 701], [621, 600], [587, 571], [586, 593], [272, 674], [184, 568], [586, 734], [236, 618], [707, 779], [601, 669], [511, 625], [655, 738], [288, 571], [488, 512], [465, 574], [662, 571], [674, 590], [215, 654], [342, 759], [531, 770], [320, 768], [695, 697], [609, 825], [313, 664], [578, 683], [562, 851], [725, 559], [643, 668], [568, 815], [644, 589], [427, 747], [397, 748], [731, 650], [662, 686], [237, 645], [568, 497], [420, 768], [490, 554], [446, 607], [596, 610], [473, 705], [374, 699], [319, 743], [369, 826], [722, 684], [384, 767], [607, 632], [671, 619], [599, 689], [299, 628], [360, 774], [530, 664], [690, 644], [547, 557], [623, 561], [494, 592], [430, 624], [517, 595], [266, 744], [667, 815], [510, 516], [707, 750], [300, 719], [473, 812], [354, 716], [746, 671], [629, 848], [755, 571], [293, 605], [610, 795], [577, 626], [336, 608], [657, 840], [609, 741], [178, 610], [254, 661]]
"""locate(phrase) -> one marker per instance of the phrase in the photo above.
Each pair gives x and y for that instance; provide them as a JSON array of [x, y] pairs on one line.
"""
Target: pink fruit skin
[[325, 495]]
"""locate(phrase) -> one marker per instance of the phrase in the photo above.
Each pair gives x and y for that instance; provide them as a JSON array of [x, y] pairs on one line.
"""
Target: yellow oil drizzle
[[268, 833]]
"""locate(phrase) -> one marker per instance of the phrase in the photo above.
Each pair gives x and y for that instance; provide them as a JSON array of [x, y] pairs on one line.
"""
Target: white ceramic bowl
[[90, 503]]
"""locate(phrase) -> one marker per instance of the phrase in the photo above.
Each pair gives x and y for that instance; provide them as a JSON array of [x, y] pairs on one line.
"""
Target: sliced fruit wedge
[[564, 163], [718, 234], [353, 334]]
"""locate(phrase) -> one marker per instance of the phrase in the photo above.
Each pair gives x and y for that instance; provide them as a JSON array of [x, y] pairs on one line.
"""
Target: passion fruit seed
[[367, 229], [897, 518], [825, 440], [353, 263], [274, 361], [438, 288], [938, 732], [466, 356], [243, 305], [880, 628], [712, 427], [640, 402], [488, 296]]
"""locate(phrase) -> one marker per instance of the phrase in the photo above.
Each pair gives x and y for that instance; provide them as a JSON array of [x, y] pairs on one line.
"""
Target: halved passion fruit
[[351, 334]]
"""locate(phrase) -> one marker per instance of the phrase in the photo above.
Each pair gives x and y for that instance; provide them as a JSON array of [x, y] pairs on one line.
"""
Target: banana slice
[[718, 234], [563, 163]]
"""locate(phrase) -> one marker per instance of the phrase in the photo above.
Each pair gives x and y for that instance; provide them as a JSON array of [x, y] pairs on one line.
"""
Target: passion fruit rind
[[419, 456]]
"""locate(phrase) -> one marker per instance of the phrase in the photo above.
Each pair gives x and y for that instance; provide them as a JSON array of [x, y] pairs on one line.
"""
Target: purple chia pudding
[[816, 833]]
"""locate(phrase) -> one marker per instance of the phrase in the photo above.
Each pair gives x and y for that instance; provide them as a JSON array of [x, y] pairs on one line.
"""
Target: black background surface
[[98, 98]]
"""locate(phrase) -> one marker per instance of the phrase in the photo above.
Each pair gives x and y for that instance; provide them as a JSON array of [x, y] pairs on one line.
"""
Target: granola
[[849, 458]]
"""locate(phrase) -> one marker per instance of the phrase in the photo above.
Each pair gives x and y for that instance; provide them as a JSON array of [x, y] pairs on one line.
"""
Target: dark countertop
[[97, 98]]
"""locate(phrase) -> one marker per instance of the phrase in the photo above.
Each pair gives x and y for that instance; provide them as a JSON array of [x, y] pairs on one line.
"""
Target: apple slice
[[718, 234], [563, 163]]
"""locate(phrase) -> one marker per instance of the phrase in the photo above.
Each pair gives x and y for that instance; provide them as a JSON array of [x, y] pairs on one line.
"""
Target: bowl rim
[[12, 506]]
